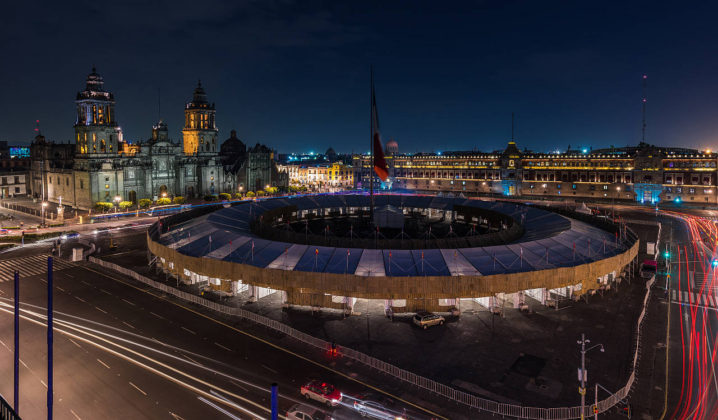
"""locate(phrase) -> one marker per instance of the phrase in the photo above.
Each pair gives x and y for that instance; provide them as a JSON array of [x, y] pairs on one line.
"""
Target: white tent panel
[[371, 264], [288, 260]]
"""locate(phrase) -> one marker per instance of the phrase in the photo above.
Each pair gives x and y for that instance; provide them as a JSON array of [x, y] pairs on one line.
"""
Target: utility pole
[[582, 373], [643, 110]]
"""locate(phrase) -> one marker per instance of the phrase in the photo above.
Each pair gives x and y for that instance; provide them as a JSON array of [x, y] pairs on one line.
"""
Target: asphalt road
[[123, 349]]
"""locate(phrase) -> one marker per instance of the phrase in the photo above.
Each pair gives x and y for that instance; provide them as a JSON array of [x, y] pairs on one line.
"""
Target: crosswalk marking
[[692, 298], [30, 266]]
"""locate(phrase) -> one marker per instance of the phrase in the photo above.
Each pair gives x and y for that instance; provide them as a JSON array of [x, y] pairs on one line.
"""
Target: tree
[[250, 194], [238, 195], [178, 200], [103, 206], [272, 190], [225, 196], [124, 205], [261, 193], [163, 201], [209, 197], [145, 202]]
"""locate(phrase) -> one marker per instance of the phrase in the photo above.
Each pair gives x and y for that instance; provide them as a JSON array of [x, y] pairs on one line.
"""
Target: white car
[[305, 412], [321, 391]]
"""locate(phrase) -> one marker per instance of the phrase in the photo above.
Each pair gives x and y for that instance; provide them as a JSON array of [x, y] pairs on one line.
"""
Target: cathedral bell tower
[[96, 130], [199, 135]]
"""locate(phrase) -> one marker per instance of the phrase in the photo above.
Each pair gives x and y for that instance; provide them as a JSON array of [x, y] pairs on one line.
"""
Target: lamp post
[[44, 206], [582, 374], [117, 202], [613, 204]]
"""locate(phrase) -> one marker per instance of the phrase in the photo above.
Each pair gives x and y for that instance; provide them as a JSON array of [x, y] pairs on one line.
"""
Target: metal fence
[[6, 412], [538, 413]]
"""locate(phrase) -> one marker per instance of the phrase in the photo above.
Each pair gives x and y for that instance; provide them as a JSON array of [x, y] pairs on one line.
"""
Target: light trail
[[38, 319]]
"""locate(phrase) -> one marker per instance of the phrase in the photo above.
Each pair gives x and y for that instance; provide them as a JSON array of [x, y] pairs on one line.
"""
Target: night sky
[[295, 75]]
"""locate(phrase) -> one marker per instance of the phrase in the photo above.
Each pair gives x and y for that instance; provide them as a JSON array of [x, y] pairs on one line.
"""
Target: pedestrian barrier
[[538, 413], [6, 412]]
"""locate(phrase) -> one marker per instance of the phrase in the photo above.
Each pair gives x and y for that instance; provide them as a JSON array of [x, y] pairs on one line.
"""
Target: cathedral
[[103, 167]]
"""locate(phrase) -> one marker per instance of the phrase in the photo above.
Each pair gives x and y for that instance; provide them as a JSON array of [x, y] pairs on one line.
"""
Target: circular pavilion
[[413, 252]]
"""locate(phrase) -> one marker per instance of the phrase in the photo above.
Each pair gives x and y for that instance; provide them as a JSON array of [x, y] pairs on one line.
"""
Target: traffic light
[[666, 254], [714, 262]]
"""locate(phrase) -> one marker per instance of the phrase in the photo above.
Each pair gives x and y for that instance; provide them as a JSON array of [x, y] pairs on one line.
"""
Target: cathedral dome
[[94, 81], [392, 147]]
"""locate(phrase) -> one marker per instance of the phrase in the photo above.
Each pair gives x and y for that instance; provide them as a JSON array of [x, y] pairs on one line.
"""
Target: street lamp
[[44, 205], [582, 373], [117, 202]]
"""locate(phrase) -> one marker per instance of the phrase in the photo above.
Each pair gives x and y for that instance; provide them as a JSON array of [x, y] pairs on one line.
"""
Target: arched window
[[102, 145]]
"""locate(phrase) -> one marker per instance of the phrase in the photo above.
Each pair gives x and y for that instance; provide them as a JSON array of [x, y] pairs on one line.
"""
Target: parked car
[[306, 412], [322, 392], [427, 319], [649, 269]]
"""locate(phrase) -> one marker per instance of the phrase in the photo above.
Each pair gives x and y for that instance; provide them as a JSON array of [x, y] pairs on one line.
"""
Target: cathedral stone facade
[[103, 167]]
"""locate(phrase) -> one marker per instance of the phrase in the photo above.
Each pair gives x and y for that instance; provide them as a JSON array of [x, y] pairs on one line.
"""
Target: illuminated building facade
[[643, 173], [101, 166], [329, 177]]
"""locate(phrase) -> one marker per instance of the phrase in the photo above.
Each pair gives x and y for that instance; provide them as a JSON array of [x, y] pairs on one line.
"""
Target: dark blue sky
[[295, 75]]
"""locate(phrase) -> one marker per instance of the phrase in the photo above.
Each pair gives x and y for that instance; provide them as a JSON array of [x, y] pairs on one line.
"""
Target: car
[[649, 269], [306, 412], [70, 236], [375, 410], [426, 319], [322, 392]]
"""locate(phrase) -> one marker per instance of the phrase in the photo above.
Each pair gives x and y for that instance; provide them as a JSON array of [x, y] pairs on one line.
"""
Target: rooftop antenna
[[37, 126], [512, 126], [643, 127]]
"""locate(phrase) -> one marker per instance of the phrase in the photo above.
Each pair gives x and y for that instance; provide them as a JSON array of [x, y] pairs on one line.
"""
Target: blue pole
[[274, 401], [17, 343], [49, 338]]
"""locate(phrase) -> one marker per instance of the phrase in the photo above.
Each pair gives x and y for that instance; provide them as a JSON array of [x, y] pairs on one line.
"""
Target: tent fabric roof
[[549, 240]]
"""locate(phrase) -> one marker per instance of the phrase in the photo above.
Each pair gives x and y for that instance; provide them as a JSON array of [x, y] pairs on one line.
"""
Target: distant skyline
[[295, 75]]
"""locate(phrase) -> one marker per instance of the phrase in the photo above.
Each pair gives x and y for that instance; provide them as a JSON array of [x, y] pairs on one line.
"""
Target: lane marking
[[218, 408], [60, 288], [138, 388], [269, 369], [43, 383], [80, 299], [128, 325], [105, 291], [74, 342], [103, 363], [188, 330], [158, 316], [192, 360], [239, 386], [5, 345], [84, 282], [176, 416], [23, 363], [228, 349], [104, 312], [75, 414], [127, 301]]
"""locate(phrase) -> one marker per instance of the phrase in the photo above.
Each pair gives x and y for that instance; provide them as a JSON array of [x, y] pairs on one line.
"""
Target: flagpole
[[371, 144]]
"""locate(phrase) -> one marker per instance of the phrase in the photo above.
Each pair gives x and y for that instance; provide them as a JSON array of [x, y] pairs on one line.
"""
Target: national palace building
[[644, 173], [100, 166]]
